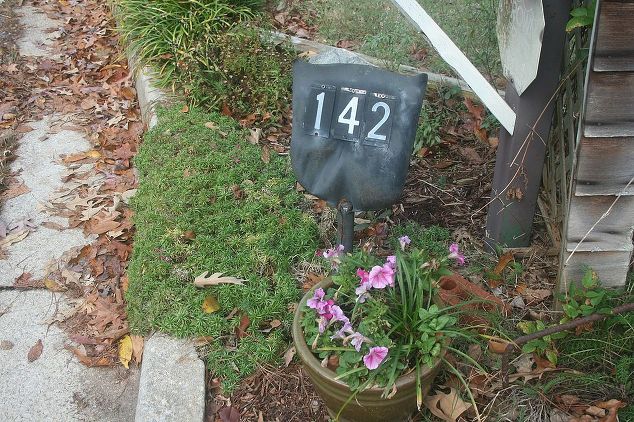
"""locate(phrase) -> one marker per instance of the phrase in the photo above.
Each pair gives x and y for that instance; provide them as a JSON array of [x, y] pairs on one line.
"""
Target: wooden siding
[[612, 267], [613, 233], [605, 157], [610, 105], [615, 38], [605, 166]]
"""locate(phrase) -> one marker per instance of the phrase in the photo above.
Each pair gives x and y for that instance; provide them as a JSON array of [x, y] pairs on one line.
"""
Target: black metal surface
[[365, 159], [345, 225]]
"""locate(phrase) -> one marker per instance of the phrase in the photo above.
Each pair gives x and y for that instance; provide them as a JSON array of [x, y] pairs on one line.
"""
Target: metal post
[[520, 157], [345, 225]]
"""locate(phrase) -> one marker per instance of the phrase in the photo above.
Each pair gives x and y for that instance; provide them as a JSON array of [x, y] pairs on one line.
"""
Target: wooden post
[[520, 156]]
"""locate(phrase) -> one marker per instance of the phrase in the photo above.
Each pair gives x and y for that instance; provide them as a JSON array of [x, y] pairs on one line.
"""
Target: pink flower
[[392, 261], [375, 356], [357, 339], [318, 296], [341, 333], [337, 314], [333, 252], [454, 253], [404, 241], [323, 323], [381, 277]]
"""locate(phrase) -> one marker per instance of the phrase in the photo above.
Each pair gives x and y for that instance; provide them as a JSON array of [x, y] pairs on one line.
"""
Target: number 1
[[320, 110]]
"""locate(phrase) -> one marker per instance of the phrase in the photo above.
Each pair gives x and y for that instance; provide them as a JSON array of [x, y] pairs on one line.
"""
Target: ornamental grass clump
[[381, 318]]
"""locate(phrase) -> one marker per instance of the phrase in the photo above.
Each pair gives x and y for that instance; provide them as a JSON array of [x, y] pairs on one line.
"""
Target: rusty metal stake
[[628, 307]]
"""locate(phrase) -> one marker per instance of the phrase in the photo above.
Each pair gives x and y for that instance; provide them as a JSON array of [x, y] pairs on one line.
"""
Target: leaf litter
[[86, 87]]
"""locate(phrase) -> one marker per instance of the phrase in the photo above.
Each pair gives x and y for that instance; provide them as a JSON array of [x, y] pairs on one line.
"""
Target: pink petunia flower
[[322, 324], [454, 253], [315, 301], [381, 277], [357, 339], [391, 260], [404, 241], [375, 356], [341, 333]]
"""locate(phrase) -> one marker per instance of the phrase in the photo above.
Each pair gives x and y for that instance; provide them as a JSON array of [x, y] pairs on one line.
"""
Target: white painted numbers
[[360, 116]]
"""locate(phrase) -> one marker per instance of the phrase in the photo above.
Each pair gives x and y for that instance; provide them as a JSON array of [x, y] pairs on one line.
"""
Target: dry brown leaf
[[52, 285], [185, 109], [128, 93], [229, 414], [137, 348], [595, 411], [90, 361], [254, 135], [241, 329], [103, 226], [53, 226], [215, 279], [36, 351], [534, 296], [447, 406], [503, 262], [15, 189], [14, 238], [498, 345], [289, 355], [266, 154], [6, 345]]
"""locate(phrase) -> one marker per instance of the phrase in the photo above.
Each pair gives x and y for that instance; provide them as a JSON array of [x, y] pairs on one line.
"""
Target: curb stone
[[172, 384]]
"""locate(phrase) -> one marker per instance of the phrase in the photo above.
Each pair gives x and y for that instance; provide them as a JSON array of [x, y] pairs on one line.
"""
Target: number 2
[[352, 120], [386, 114]]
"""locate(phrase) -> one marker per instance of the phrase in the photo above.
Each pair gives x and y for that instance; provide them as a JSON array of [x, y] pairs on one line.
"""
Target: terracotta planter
[[455, 289], [368, 405]]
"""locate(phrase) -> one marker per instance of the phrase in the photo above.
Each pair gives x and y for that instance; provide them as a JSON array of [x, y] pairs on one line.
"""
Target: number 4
[[352, 120]]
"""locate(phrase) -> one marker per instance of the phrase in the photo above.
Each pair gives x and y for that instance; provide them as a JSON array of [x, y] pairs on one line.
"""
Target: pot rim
[[307, 356]]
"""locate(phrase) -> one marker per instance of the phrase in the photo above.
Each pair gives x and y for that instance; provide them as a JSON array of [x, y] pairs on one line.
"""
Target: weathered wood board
[[614, 49], [612, 267], [605, 166], [610, 105], [612, 233]]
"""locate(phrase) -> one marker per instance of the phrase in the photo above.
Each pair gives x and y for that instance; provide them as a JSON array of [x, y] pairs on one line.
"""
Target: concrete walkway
[[53, 387]]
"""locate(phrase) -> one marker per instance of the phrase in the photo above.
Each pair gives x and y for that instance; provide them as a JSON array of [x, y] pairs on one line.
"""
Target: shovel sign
[[354, 128]]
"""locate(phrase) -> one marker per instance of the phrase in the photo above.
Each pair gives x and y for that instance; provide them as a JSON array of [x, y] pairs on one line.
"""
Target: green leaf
[[589, 280], [578, 22], [551, 355], [579, 11]]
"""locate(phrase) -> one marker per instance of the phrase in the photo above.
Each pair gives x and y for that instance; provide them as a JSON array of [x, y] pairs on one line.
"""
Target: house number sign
[[350, 114], [353, 131]]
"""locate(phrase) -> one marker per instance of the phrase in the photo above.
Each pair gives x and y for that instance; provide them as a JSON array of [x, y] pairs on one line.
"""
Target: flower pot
[[455, 289], [367, 406]]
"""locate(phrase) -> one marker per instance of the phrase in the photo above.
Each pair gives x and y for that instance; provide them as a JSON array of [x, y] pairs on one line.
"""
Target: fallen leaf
[[128, 93], [6, 345], [14, 238], [311, 280], [14, 190], [185, 109], [266, 154], [447, 406], [241, 329], [498, 345], [137, 348], [52, 285], [276, 323], [103, 226], [254, 135], [229, 414], [36, 351], [53, 226], [289, 355], [503, 262], [90, 361], [125, 351], [534, 296], [595, 411], [471, 154], [210, 305], [215, 279], [612, 406]]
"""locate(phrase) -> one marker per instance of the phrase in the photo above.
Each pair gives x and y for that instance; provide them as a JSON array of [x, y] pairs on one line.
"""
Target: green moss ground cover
[[207, 202]]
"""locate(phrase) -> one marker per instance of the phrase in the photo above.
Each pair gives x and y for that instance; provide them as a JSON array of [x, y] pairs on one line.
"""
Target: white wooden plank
[[459, 62]]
